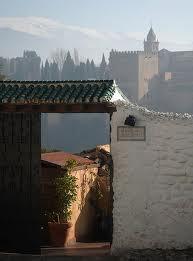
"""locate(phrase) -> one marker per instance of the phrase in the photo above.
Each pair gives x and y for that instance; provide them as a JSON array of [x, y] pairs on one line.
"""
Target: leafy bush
[[66, 193]]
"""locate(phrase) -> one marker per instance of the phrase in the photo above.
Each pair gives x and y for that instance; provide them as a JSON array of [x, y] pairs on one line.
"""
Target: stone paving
[[79, 249], [95, 254], [158, 255]]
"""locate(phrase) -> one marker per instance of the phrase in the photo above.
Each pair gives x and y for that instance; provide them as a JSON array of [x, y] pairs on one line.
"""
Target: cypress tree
[[47, 71], [102, 68], [68, 68], [93, 70], [54, 72], [82, 71], [88, 69], [42, 72]]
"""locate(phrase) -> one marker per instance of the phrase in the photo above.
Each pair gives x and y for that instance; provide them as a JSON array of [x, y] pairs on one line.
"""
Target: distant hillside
[[69, 39], [22, 41]]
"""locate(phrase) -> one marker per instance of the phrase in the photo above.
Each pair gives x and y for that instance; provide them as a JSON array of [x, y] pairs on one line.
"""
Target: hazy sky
[[99, 24]]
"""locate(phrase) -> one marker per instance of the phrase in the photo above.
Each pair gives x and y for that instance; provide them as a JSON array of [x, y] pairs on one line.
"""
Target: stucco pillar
[[19, 182]]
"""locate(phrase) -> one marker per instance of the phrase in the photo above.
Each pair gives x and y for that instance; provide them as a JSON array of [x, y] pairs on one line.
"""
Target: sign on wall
[[125, 133]]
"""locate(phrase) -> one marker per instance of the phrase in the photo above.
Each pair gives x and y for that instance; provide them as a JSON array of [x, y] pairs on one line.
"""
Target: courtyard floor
[[79, 249]]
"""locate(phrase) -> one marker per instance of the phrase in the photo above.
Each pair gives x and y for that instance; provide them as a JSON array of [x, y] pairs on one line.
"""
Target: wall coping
[[151, 114]]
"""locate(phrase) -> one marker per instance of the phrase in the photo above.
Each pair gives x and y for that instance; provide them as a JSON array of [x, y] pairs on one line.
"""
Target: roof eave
[[104, 107]]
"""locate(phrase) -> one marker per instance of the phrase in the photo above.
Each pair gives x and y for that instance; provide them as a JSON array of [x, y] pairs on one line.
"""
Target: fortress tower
[[136, 72], [151, 45]]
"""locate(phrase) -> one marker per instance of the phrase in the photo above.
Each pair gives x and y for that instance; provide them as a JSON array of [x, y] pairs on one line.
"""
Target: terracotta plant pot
[[58, 233]]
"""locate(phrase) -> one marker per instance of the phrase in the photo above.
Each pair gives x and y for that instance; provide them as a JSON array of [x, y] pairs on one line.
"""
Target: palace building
[[160, 79]]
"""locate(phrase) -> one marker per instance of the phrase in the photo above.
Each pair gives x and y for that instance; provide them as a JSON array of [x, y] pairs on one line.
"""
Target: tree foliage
[[68, 68], [58, 56], [2, 77], [63, 67]]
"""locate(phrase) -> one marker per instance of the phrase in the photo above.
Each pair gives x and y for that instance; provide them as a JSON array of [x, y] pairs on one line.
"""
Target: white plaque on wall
[[125, 133]]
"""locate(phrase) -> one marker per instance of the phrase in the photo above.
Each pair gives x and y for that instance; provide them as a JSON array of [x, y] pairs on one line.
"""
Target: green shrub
[[66, 193]]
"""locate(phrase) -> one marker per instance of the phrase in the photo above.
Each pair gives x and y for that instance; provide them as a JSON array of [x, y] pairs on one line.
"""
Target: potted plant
[[59, 218]]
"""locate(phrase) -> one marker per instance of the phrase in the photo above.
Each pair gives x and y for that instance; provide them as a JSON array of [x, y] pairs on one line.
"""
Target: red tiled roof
[[61, 157]]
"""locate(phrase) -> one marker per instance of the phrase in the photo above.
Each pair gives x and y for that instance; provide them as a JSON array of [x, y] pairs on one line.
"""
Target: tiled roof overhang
[[57, 96]]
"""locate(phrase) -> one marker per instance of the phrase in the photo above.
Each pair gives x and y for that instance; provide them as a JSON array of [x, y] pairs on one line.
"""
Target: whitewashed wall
[[153, 182]]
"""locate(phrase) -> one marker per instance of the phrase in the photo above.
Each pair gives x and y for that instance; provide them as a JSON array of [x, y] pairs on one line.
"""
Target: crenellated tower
[[151, 44], [136, 71]]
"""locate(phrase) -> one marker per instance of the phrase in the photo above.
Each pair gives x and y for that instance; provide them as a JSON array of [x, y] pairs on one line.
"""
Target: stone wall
[[83, 213], [19, 182], [170, 96], [153, 182], [124, 69]]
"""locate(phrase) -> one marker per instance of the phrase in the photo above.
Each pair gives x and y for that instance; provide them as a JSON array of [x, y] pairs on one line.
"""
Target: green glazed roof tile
[[38, 92]]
